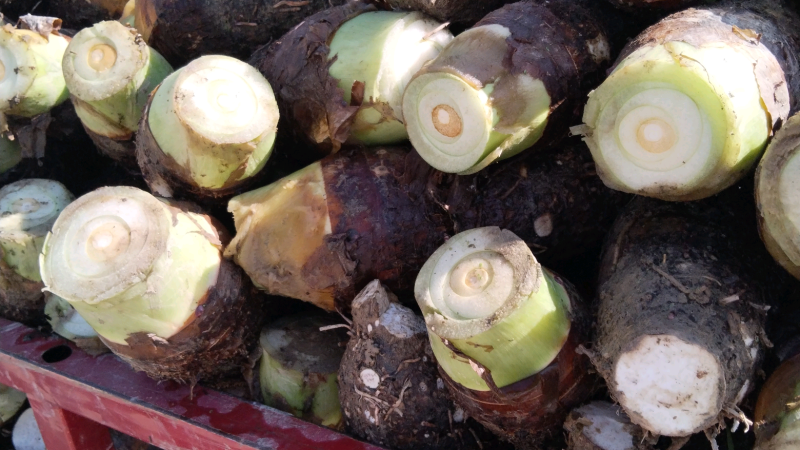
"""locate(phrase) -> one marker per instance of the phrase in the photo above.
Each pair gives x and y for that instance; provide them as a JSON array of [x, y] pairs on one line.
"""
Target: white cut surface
[[609, 426], [26, 434], [668, 386]]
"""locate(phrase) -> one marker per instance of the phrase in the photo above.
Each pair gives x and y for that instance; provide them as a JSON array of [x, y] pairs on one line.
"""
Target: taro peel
[[499, 325], [67, 323], [693, 100], [31, 80], [28, 209], [149, 277], [300, 365], [603, 426], [110, 72], [495, 89], [208, 129]]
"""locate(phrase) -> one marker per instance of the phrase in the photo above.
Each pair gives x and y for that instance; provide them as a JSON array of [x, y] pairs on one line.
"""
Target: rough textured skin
[[313, 110], [553, 200], [563, 43], [776, 401], [383, 226], [666, 269], [413, 411], [465, 12], [776, 26], [216, 342], [183, 30], [21, 299], [121, 151], [162, 173], [529, 412]]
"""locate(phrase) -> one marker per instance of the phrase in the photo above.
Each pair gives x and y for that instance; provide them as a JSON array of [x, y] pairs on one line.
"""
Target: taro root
[[10, 153], [340, 75], [777, 193], [464, 12], [31, 80], [325, 231], [110, 73], [520, 74], [683, 295], [694, 99], [183, 30], [777, 419], [28, 209], [322, 233], [67, 323], [602, 426], [149, 277], [300, 365], [390, 389], [505, 333], [207, 130]]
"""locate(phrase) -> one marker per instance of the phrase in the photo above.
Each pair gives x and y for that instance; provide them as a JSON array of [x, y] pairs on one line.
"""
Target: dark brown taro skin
[[658, 6], [383, 226], [552, 199], [414, 410], [693, 270], [217, 342], [183, 30], [314, 114], [21, 299], [530, 412]]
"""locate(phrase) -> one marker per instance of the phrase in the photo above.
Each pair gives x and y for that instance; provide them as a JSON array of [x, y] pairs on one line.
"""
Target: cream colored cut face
[[101, 57], [2, 71]]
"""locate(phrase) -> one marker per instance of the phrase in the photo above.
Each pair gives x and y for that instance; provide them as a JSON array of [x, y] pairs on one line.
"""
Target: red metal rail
[[76, 396]]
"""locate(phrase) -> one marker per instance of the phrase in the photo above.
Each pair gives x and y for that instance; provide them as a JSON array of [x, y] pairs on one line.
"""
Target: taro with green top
[[149, 277], [110, 73], [495, 89], [374, 56], [31, 80], [340, 75], [300, 365], [778, 195], [28, 209], [693, 100], [495, 317], [208, 129]]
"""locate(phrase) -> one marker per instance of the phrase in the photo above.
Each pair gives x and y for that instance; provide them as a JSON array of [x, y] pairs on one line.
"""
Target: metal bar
[[64, 430], [105, 390]]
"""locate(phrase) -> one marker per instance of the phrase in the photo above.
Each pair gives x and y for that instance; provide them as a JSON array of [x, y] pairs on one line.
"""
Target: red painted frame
[[75, 399]]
